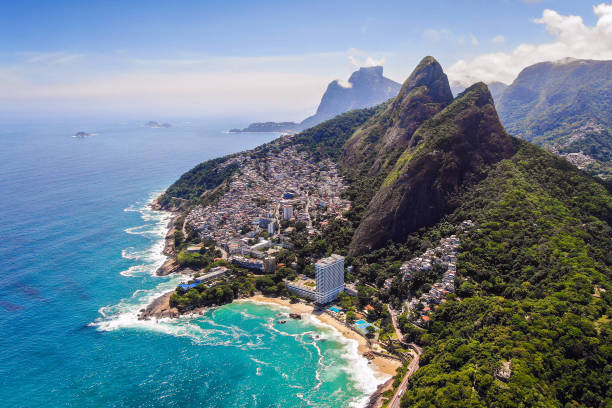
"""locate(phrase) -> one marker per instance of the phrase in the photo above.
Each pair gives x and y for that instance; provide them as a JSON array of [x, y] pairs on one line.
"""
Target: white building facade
[[330, 278], [287, 212]]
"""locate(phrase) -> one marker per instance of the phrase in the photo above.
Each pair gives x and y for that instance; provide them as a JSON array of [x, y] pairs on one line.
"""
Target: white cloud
[[49, 58], [474, 40], [358, 59], [498, 39], [573, 38]]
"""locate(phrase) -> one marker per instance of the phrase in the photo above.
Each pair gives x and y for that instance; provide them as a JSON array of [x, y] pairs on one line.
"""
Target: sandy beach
[[382, 366]]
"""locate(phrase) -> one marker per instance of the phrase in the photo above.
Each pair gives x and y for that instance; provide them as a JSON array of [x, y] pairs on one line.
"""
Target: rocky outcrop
[[159, 308], [365, 88], [448, 152], [378, 143]]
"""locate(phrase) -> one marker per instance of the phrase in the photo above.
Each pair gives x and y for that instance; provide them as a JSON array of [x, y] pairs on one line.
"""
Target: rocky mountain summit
[[365, 88]]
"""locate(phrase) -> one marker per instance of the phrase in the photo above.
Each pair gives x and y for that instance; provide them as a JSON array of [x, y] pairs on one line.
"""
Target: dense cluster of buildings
[[283, 185], [212, 275], [443, 256], [265, 265], [328, 283]]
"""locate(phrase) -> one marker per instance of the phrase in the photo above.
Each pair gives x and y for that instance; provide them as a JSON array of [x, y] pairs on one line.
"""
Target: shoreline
[[383, 367], [160, 308]]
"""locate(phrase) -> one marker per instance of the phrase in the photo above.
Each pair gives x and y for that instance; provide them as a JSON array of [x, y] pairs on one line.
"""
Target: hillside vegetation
[[529, 322], [534, 294], [565, 106]]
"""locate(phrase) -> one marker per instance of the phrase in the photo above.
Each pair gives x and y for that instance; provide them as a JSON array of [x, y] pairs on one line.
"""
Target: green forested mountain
[[533, 278], [529, 323], [534, 293], [448, 153], [566, 107]]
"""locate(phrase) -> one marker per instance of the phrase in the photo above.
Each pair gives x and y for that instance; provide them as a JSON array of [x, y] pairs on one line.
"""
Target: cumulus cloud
[[573, 38], [498, 39], [358, 59]]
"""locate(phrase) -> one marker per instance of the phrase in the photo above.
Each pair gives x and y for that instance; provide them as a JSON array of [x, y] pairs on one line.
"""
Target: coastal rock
[[82, 135], [365, 88], [156, 125], [159, 308], [284, 127], [170, 266]]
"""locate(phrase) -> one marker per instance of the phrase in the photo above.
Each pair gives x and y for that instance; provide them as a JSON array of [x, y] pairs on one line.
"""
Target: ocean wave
[[357, 368], [155, 228], [206, 330]]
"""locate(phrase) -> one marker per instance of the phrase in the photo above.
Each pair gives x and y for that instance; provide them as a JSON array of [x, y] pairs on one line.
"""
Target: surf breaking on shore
[[201, 328]]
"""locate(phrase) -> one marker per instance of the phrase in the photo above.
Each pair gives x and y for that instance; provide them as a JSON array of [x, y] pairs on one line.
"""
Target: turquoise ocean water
[[78, 248]]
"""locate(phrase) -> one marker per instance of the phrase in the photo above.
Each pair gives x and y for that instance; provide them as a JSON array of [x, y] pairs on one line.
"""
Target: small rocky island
[[82, 135], [156, 125]]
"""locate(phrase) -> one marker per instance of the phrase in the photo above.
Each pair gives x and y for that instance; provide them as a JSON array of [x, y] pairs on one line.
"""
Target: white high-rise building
[[330, 278], [287, 212]]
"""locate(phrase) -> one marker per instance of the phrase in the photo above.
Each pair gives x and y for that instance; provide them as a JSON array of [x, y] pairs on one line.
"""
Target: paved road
[[412, 367], [398, 332]]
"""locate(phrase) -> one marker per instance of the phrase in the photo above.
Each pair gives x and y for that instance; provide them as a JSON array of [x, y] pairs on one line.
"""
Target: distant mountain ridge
[[566, 107], [366, 87]]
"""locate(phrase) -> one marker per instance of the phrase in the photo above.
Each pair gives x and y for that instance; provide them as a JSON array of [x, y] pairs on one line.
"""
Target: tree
[[371, 332], [350, 316]]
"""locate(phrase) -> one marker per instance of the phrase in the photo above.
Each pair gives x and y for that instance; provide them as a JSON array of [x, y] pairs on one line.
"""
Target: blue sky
[[271, 58]]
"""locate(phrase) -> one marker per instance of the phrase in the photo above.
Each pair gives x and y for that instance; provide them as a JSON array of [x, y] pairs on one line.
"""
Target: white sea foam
[[156, 228], [365, 378], [124, 314]]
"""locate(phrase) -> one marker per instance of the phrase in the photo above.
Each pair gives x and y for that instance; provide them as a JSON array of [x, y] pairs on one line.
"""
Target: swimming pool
[[362, 323], [335, 309]]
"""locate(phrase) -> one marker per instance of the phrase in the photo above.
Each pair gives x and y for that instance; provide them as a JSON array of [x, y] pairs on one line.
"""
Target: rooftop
[[333, 258]]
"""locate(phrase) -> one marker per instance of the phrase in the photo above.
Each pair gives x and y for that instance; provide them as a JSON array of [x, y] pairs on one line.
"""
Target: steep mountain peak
[[368, 87], [448, 152], [376, 71], [429, 73], [425, 93], [477, 94]]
